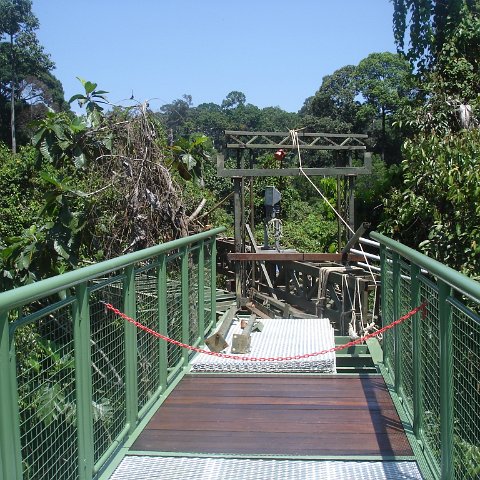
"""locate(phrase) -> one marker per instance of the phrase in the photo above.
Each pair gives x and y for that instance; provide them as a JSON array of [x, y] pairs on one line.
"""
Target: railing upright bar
[[185, 304], [397, 333], [162, 320], [83, 381], [201, 292], [10, 446], [446, 381], [416, 352], [131, 370], [383, 301], [213, 282]]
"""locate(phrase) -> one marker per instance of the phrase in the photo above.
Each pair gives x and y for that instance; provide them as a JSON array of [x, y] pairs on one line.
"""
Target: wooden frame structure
[[243, 141]]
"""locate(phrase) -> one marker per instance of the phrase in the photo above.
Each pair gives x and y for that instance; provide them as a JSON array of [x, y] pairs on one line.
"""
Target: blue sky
[[274, 51]]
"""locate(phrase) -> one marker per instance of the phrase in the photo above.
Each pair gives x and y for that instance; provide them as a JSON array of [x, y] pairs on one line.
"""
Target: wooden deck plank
[[280, 415]]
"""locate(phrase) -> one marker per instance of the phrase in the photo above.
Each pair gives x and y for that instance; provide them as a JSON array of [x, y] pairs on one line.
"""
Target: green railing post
[[446, 381], [185, 305], [10, 446], [416, 352], [213, 282], [383, 300], [131, 370], [397, 333], [201, 291], [162, 320], [83, 381]]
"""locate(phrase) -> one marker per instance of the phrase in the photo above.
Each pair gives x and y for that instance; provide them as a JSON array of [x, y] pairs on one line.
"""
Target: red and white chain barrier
[[421, 308]]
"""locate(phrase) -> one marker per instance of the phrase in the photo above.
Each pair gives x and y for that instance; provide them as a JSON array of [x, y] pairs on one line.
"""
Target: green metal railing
[[434, 362], [75, 380]]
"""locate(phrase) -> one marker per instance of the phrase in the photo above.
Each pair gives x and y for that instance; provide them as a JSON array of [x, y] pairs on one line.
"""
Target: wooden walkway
[[287, 415]]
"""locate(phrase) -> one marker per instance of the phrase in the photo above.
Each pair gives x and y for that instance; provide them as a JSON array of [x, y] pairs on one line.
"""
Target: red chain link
[[421, 308]]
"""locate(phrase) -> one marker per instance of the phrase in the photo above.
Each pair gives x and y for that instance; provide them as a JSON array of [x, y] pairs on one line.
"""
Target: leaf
[[89, 87], [188, 160], [78, 96], [80, 160], [58, 247], [50, 403]]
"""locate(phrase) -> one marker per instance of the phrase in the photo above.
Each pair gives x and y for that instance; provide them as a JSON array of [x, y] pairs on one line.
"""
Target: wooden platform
[[277, 415]]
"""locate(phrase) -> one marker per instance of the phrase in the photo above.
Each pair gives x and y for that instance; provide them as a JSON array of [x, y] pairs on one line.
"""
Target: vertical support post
[[383, 301], [83, 382], [162, 320], [416, 352], [351, 204], [185, 305], [339, 209], [201, 291], [131, 370], [397, 332], [10, 445], [213, 282], [446, 380], [237, 206]]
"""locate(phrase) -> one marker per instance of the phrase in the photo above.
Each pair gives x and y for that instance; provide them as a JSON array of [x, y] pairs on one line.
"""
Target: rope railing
[[420, 308]]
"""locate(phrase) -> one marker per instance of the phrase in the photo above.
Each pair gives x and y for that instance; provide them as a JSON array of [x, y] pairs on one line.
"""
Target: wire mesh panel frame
[[115, 280], [433, 379]]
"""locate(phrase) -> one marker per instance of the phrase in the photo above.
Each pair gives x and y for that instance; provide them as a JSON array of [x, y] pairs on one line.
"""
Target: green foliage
[[189, 156], [308, 230], [437, 210], [24, 66]]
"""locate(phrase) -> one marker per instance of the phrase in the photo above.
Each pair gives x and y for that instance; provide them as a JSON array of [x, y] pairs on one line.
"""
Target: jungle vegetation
[[77, 189]]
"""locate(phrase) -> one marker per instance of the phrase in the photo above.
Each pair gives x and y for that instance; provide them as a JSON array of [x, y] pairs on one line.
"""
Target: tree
[[21, 55], [234, 99], [428, 25], [384, 81], [336, 97]]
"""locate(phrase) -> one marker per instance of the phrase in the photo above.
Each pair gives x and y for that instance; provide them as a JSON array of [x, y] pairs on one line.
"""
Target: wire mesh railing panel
[[84, 375], [208, 286], [466, 386], [174, 311], [108, 368], [193, 320], [388, 314], [147, 345], [46, 390], [430, 347], [406, 329]]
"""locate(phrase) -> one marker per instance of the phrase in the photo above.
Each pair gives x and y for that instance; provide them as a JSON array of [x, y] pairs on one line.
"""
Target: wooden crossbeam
[[292, 257], [307, 141]]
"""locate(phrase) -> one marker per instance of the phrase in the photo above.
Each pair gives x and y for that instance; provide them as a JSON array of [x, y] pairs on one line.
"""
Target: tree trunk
[[383, 133], [12, 99]]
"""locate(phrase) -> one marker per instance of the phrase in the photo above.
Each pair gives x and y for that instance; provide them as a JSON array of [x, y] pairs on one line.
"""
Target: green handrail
[[437, 384], [119, 374], [461, 282], [29, 293]]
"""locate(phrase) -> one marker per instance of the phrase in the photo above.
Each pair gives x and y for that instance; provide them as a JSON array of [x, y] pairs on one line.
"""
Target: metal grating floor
[[177, 468], [280, 337]]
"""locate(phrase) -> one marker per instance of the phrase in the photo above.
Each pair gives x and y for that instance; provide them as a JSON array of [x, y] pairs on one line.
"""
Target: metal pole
[[213, 282], [361, 230], [201, 292], [162, 320], [397, 333], [131, 370], [237, 206], [416, 352], [185, 305], [10, 446], [446, 381], [383, 300], [83, 382]]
